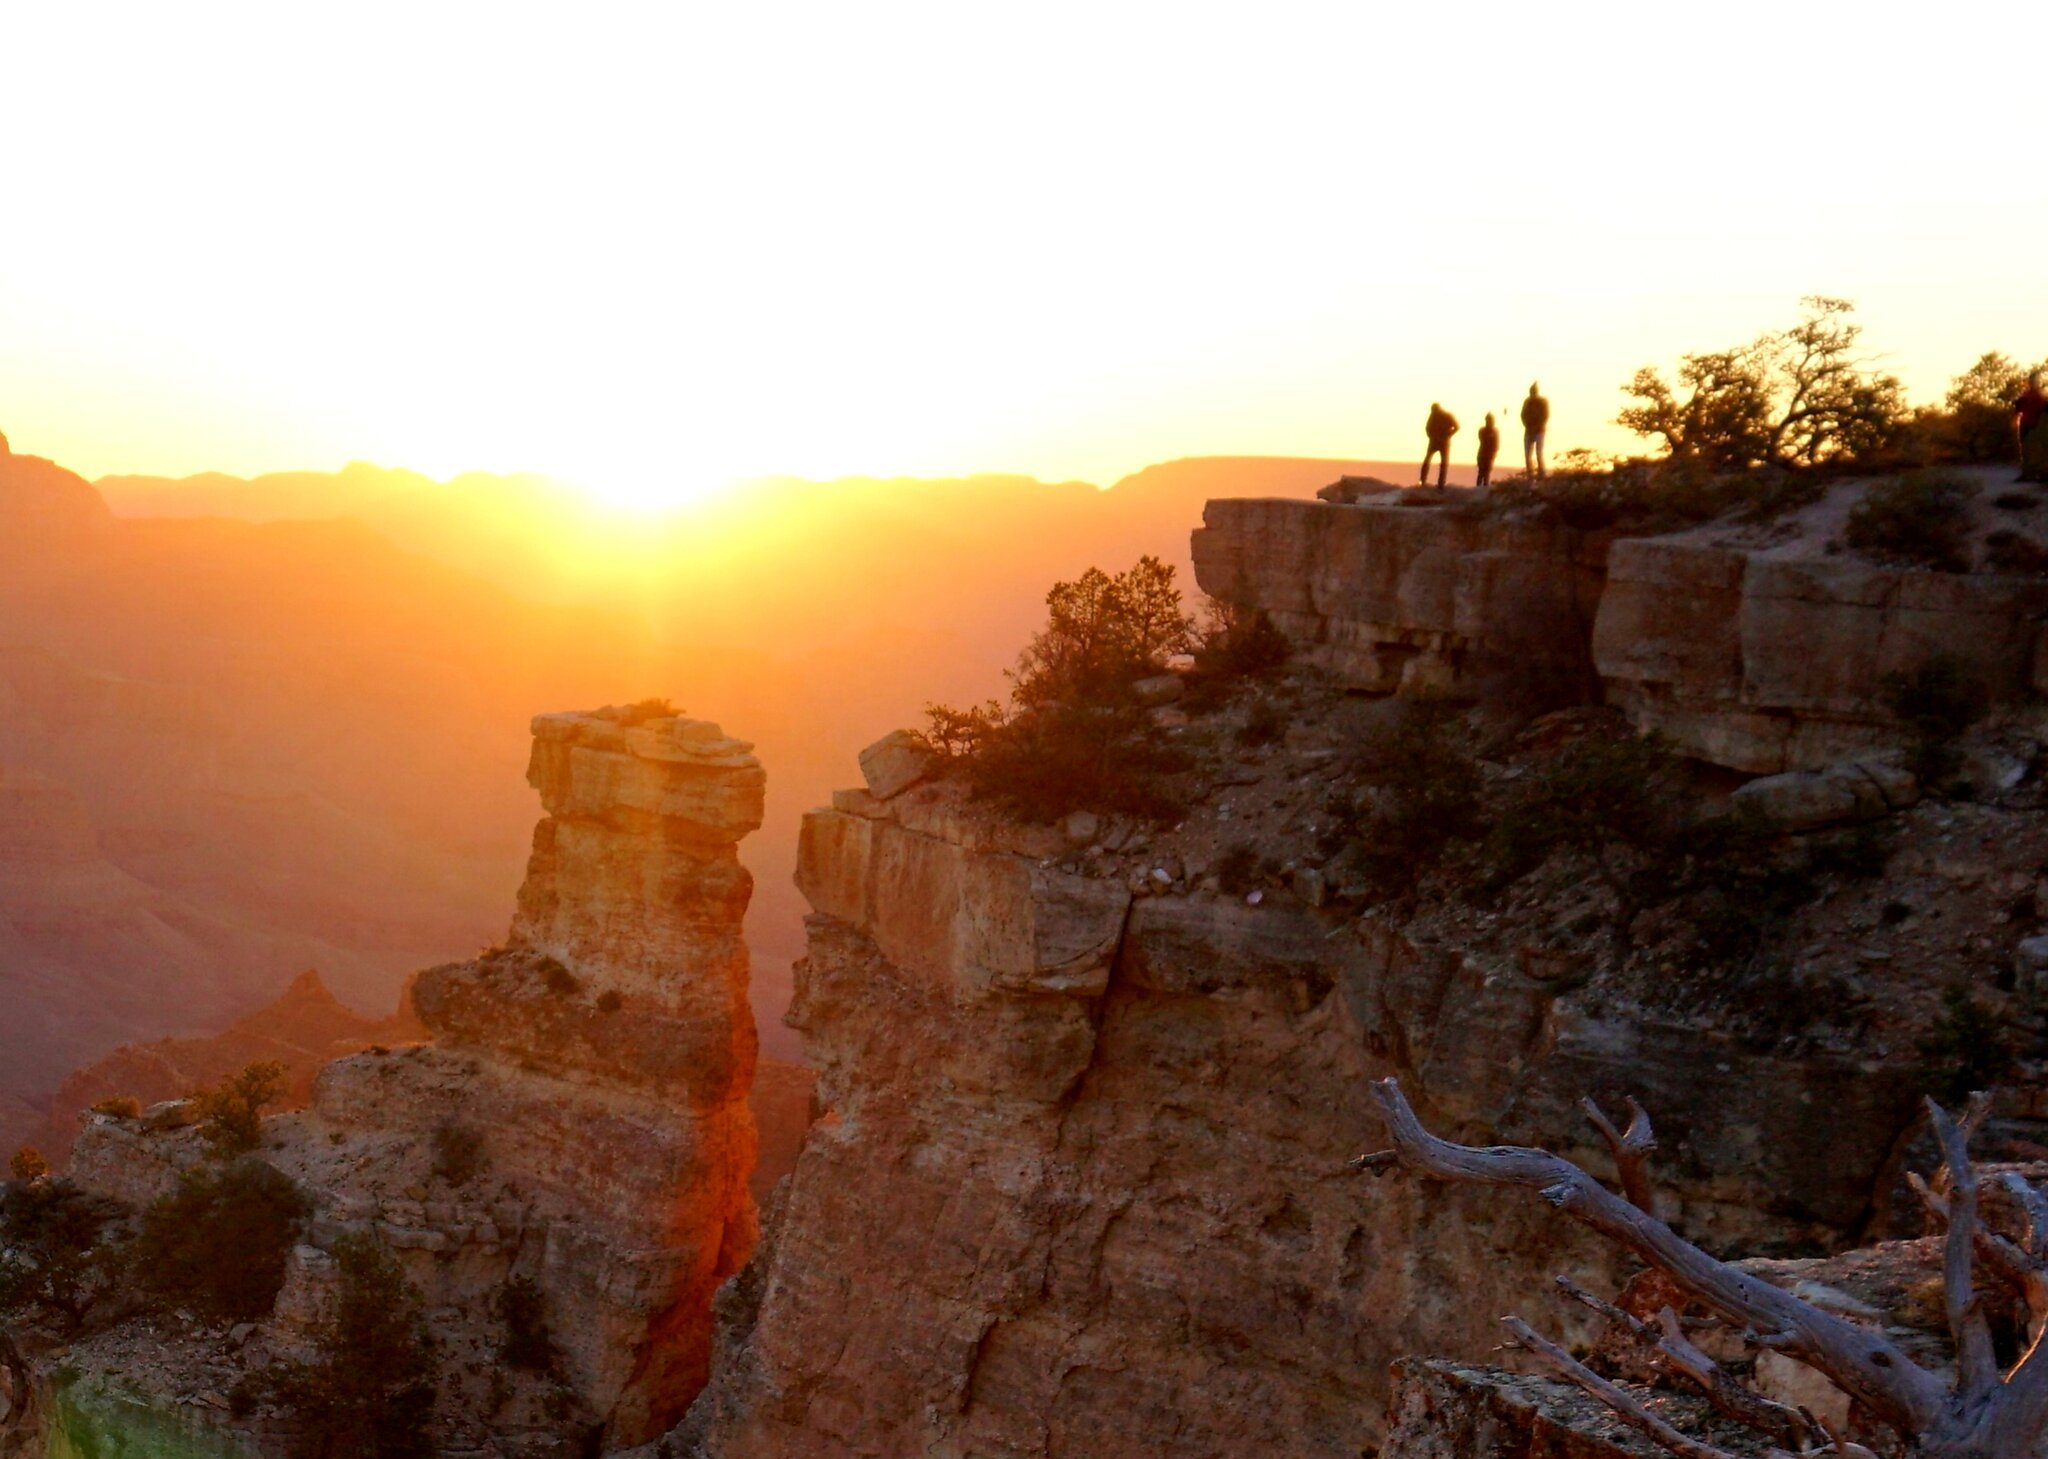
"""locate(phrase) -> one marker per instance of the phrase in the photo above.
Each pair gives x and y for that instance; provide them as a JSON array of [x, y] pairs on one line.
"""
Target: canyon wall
[[1761, 647], [1082, 1189]]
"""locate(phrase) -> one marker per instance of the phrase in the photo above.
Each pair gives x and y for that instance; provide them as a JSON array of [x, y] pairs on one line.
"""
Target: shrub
[[1918, 517], [611, 1000], [558, 980], [1238, 869], [1075, 738], [119, 1106], [643, 710], [1426, 795], [219, 1241], [27, 1164], [458, 1153], [1235, 642], [1046, 763], [528, 1344], [1978, 423], [55, 1257], [368, 1393], [1967, 1049], [1935, 702], [952, 733], [231, 1113], [2009, 552], [1101, 633]]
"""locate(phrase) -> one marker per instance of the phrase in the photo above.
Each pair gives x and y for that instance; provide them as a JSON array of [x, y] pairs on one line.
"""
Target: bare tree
[[1984, 1413]]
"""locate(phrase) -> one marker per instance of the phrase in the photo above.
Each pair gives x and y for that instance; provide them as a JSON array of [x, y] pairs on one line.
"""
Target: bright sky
[[656, 247]]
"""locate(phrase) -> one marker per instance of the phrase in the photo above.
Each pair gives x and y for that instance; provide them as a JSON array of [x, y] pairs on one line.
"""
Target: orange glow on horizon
[[659, 250]]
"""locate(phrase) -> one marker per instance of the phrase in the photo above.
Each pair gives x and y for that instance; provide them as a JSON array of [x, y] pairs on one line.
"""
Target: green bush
[[119, 1106], [57, 1252], [1426, 795], [1919, 517], [231, 1113], [1237, 643], [1936, 702], [1044, 763], [528, 1344], [219, 1241], [1074, 736], [2009, 552], [1968, 1049], [368, 1393], [458, 1152]]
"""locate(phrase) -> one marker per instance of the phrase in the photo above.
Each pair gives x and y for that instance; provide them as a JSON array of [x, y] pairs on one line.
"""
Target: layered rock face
[[604, 1055], [1425, 597], [579, 1121], [1771, 660], [1761, 649], [1082, 1187]]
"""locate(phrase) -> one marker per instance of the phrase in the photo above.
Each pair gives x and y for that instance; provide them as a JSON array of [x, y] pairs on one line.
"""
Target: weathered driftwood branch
[[1985, 1415], [1976, 1362], [1865, 1364], [1668, 1349], [1620, 1400], [1631, 1149]]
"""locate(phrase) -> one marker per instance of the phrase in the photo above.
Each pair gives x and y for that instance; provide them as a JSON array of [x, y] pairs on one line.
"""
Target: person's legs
[[1540, 472], [1528, 453], [1422, 477], [1443, 463]]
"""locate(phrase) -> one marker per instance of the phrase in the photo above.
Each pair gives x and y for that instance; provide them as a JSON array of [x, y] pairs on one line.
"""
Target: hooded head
[[1535, 386]]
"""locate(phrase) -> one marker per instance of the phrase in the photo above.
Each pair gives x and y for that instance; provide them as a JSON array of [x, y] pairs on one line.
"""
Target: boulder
[[894, 763], [1799, 801]]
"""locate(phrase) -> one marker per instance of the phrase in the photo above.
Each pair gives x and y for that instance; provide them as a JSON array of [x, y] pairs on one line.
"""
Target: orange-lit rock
[[580, 1118]]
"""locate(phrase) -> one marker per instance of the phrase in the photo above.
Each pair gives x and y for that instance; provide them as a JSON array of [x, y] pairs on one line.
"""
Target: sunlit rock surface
[[579, 1119], [1081, 1186]]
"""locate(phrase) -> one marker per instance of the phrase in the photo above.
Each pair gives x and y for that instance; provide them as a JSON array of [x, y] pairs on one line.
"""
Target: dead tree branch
[[1865, 1364], [1623, 1403], [1976, 1361], [1631, 1150]]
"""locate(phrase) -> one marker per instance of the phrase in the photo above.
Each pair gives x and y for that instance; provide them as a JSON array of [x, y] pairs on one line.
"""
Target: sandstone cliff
[[1081, 1184], [592, 1074], [1760, 646]]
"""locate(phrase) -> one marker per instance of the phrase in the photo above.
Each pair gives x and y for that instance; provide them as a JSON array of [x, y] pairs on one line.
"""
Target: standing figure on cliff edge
[[2030, 429], [1489, 447], [1535, 421], [1441, 427]]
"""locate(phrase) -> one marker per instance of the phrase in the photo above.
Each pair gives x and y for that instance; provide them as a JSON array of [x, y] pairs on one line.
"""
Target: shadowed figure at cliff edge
[[1535, 425], [1441, 426]]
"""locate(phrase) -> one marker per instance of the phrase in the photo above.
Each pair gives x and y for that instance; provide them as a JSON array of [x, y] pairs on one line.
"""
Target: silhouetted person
[[1535, 421], [2030, 428], [1441, 427], [1489, 447]]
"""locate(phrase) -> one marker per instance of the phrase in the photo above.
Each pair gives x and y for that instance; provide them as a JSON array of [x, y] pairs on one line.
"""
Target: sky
[[656, 248]]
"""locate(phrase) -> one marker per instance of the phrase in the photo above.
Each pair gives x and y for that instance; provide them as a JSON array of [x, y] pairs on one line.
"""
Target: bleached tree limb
[[1976, 1361], [1623, 1403], [1865, 1364], [2033, 1206], [1631, 1150], [1669, 1350], [2004, 1258]]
